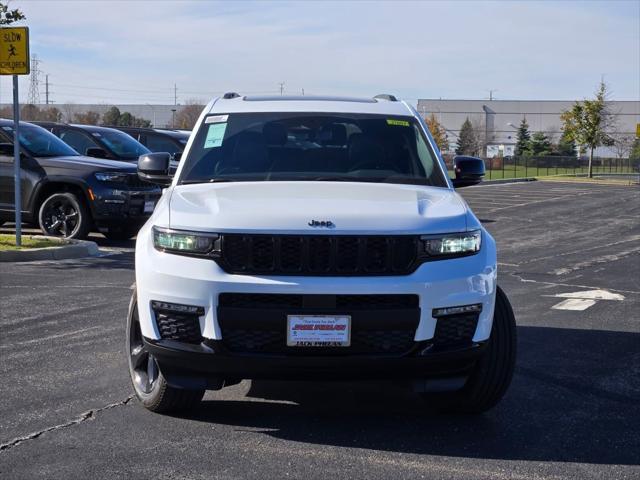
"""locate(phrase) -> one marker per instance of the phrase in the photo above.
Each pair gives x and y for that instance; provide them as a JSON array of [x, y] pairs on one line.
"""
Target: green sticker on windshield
[[215, 135], [399, 123]]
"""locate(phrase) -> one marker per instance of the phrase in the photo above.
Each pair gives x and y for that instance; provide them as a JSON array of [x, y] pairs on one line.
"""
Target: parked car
[[316, 238], [67, 194], [97, 142], [159, 139]]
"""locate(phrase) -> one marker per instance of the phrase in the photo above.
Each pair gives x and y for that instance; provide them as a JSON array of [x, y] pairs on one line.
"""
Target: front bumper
[[114, 207], [209, 365]]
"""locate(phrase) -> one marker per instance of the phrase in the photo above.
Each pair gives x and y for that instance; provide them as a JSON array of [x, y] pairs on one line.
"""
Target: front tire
[[64, 215], [149, 384], [492, 374]]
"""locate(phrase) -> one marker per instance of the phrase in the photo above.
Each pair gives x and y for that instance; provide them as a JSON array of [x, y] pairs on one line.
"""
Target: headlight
[[113, 177], [451, 244], [186, 243]]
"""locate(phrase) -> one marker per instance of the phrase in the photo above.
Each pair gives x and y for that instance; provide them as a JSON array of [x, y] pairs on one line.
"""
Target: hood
[[288, 207], [80, 162]]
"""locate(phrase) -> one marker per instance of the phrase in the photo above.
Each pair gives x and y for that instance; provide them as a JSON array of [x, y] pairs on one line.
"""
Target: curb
[[506, 180], [69, 249]]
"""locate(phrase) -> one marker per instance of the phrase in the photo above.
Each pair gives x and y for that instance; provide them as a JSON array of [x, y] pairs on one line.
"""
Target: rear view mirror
[[154, 168], [96, 152], [469, 171]]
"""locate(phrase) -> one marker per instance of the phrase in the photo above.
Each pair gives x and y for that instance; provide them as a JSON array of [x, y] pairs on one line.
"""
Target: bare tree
[[187, 116], [622, 144]]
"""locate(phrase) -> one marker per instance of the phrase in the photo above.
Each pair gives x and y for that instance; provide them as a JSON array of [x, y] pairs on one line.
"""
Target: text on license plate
[[318, 330]]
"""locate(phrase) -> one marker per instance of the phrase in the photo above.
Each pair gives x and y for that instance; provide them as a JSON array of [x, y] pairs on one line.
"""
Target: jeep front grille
[[329, 255]]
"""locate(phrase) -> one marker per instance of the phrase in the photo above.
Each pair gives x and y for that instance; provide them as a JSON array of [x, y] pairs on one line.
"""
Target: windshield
[[311, 146], [40, 142], [121, 144]]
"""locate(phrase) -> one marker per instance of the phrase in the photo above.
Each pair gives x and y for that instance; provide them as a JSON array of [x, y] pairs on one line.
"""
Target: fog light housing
[[177, 308], [461, 309]]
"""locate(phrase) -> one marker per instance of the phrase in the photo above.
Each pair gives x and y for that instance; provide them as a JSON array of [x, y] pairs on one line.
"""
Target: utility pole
[[46, 89], [281, 87], [175, 94], [491, 94]]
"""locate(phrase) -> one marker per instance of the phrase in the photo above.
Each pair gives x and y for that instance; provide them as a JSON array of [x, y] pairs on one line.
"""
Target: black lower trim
[[211, 360]]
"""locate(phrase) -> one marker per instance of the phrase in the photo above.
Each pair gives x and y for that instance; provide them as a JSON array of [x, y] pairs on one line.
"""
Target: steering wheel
[[373, 165]]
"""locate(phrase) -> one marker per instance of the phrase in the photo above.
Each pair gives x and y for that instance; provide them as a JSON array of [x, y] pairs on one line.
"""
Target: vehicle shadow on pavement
[[575, 397]]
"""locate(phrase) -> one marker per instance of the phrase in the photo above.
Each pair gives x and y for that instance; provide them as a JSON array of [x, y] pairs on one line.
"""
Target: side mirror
[[96, 152], [154, 168], [469, 171]]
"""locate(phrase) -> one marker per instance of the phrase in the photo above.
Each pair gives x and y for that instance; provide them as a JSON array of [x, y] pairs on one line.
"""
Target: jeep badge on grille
[[321, 223]]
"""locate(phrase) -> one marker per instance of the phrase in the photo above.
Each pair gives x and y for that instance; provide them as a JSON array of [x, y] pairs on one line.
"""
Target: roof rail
[[386, 96], [230, 95]]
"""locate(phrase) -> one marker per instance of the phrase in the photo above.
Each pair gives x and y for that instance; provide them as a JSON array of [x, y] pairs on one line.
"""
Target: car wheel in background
[[64, 215], [492, 374], [149, 384]]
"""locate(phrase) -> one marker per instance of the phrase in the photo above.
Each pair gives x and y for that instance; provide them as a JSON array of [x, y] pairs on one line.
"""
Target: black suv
[[97, 142], [67, 194], [159, 139]]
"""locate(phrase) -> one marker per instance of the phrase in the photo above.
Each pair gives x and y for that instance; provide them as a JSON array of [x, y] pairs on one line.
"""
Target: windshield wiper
[[210, 180]]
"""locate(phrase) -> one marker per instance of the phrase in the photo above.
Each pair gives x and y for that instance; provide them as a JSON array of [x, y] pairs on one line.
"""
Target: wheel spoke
[[152, 372], [71, 216]]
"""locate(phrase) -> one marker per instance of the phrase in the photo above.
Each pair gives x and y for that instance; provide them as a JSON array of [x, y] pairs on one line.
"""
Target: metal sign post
[[14, 60], [16, 161]]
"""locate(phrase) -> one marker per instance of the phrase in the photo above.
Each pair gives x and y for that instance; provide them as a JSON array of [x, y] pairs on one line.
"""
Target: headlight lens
[[186, 243], [113, 177], [452, 244]]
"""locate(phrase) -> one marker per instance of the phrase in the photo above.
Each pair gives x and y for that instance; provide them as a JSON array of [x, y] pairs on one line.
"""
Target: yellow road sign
[[14, 51], [638, 130]]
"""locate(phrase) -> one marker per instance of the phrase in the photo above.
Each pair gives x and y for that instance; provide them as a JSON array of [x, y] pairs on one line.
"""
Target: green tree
[[539, 146], [467, 142], [523, 139], [7, 16], [635, 150], [125, 120], [566, 147], [588, 123], [438, 132], [111, 116]]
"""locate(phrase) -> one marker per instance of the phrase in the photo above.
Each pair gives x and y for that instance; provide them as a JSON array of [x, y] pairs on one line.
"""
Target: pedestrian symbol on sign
[[12, 51]]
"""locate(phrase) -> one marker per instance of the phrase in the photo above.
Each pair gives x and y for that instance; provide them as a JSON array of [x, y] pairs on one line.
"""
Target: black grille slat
[[319, 254]]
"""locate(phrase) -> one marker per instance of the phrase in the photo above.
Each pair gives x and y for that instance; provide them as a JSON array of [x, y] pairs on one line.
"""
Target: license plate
[[318, 330], [149, 205]]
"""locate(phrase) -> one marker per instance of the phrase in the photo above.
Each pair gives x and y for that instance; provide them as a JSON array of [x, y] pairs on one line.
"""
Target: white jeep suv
[[316, 238]]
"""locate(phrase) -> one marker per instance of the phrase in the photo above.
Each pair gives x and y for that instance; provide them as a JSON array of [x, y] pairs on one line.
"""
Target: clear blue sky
[[134, 51]]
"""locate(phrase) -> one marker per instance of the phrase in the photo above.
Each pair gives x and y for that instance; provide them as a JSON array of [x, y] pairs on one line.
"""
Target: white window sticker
[[96, 134], [216, 119], [215, 135]]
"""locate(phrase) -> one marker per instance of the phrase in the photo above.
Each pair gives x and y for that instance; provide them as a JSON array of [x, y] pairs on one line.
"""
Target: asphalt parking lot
[[573, 410]]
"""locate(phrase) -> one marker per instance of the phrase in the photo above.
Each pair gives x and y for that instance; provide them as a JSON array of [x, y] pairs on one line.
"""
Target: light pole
[[153, 109], [173, 118]]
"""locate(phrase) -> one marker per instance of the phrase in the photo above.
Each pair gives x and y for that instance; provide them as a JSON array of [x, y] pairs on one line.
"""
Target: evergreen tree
[[111, 116], [467, 144], [539, 146], [566, 147], [524, 137]]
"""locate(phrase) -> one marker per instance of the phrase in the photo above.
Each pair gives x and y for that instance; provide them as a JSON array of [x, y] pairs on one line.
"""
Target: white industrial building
[[498, 120]]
